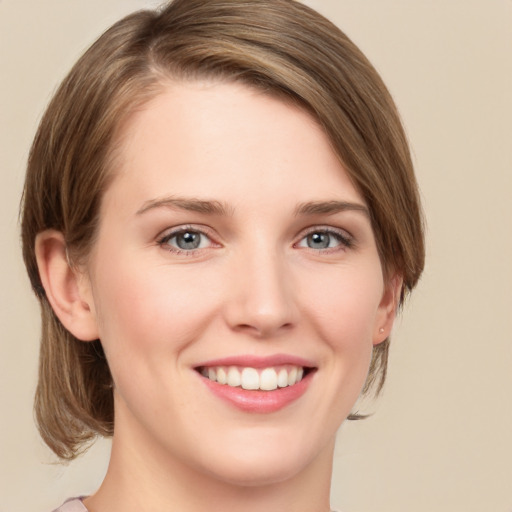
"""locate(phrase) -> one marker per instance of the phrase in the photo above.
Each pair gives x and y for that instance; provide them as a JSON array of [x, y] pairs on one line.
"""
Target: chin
[[254, 465], [250, 473]]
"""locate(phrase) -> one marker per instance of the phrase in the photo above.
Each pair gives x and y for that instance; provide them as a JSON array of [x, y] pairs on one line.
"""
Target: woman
[[220, 220]]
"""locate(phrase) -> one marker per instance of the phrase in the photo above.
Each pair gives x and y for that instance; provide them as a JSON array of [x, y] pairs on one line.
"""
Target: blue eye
[[185, 240], [324, 239]]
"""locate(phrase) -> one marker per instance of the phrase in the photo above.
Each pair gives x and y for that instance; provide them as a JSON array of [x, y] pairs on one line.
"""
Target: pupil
[[318, 240], [188, 240]]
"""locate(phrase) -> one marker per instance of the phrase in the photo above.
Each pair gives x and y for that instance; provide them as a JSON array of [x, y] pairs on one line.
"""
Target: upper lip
[[252, 361]]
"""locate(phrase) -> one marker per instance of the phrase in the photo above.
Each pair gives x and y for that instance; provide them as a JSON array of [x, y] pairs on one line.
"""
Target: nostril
[[263, 329]]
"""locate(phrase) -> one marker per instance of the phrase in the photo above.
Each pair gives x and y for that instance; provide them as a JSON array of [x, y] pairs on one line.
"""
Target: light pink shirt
[[75, 505], [72, 505]]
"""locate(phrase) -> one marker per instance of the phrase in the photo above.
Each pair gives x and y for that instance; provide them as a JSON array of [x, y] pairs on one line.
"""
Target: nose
[[262, 298]]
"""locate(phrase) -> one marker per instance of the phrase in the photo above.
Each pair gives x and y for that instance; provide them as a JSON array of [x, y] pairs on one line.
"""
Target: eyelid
[[169, 233], [346, 239]]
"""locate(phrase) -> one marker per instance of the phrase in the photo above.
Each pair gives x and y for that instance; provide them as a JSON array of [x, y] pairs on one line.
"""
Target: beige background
[[441, 436]]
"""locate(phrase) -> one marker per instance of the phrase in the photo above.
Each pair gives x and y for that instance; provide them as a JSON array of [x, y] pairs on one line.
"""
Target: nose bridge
[[262, 301]]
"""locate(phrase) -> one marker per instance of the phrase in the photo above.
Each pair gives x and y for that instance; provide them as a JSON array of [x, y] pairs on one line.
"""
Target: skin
[[256, 286]]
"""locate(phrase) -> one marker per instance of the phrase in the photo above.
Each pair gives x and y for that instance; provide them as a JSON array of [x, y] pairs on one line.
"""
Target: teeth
[[222, 378], [292, 376], [250, 379], [282, 378], [266, 379], [234, 378]]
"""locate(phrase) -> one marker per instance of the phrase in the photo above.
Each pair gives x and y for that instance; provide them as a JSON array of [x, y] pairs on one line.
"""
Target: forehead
[[200, 137]]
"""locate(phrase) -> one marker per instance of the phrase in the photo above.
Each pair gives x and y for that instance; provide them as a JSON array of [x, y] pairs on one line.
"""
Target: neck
[[145, 479]]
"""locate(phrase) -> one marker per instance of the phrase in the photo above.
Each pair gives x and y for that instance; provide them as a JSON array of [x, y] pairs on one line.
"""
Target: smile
[[258, 385], [248, 378]]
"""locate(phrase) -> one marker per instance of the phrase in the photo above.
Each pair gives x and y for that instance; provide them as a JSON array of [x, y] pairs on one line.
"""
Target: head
[[280, 48]]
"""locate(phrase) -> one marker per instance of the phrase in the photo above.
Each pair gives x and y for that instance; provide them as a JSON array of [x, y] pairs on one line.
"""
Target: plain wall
[[440, 439]]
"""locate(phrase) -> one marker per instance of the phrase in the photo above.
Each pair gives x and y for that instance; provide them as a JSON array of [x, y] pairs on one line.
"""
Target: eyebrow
[[329, 207], [191, 204], [213, 207]]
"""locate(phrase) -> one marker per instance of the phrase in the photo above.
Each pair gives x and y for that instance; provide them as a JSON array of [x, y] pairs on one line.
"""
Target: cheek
[[345, 306], [345, 315], [146, 315]]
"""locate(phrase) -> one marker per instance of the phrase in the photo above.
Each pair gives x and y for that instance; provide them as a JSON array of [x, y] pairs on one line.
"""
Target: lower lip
[[257, 401]]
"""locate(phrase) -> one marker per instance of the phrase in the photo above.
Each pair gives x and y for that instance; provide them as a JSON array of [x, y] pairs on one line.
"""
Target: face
[[235, 284]]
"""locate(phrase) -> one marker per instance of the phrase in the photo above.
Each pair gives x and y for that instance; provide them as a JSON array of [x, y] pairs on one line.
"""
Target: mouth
[[256, 379], [258, 385]]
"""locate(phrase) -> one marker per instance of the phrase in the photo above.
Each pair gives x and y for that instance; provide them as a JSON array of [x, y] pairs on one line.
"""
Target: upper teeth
[[265, 379]]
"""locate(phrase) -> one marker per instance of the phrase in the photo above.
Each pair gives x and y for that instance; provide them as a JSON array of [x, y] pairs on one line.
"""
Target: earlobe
[[387, 309], [67, 289]]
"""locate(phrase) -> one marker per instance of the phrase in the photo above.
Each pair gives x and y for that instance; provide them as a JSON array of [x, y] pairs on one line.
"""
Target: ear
[[68, 289], [387, 309]]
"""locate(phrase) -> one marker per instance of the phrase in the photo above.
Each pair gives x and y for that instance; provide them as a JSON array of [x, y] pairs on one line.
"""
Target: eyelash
[[344, 239], [165, 239]]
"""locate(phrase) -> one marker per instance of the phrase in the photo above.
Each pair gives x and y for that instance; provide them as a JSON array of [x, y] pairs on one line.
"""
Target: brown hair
[[279, 46]]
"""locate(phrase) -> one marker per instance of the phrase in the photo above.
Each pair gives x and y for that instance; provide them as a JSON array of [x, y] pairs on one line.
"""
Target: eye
[[185, 240], [321, 239]]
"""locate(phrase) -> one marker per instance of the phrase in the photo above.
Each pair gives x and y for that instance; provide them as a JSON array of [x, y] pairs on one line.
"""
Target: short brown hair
[[279, 46]]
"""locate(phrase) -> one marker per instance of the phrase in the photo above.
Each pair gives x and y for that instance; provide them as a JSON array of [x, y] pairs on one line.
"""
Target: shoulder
[[72, 505]]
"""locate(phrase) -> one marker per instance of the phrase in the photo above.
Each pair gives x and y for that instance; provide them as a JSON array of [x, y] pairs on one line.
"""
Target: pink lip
[[258, 361], [257, 401]]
